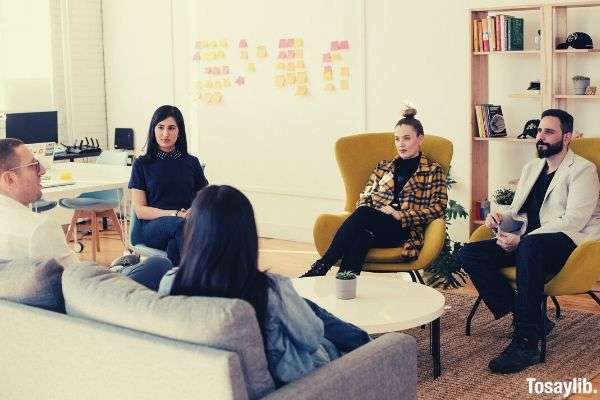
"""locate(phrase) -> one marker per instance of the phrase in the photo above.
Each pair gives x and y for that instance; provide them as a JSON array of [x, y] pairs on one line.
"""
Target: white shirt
[[28, 235]]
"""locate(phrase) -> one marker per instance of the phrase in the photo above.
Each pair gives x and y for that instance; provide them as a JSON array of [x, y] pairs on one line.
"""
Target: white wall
[[414, 50]]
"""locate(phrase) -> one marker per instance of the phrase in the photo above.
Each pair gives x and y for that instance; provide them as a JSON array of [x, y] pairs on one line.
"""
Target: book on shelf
[[516, 27], [490, 121], [476, 47], [485, 34], [498, 32], [480, 35]]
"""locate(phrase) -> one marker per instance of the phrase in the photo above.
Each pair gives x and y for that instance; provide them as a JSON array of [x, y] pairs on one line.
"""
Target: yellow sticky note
[[327, 76], [299, 53], [298, 42], [336, 56], [213, 44], [208, 84], [345, 71], [251, 67], [301, 77], [218, 85], [261, 52], [223, 43], [299, 64], [290, 79], [329, 87], [301, 90], [344, 85], [217, 98], [281, 66], [291, 66], [226, 83], [279, 81], [243, 55], [220, 55]]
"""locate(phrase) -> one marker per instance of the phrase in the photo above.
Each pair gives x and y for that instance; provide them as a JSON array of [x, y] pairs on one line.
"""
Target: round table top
[[382, 304]]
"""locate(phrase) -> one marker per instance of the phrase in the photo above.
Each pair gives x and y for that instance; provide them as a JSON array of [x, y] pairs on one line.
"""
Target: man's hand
[[493, 220], [389, 210], [183, 213], [508, 241]]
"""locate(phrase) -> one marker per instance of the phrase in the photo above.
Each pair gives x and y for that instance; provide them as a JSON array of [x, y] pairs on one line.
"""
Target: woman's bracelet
[[177, 213]]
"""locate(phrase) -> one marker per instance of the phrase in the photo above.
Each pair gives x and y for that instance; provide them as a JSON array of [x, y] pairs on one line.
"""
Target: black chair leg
[[543, 336], [593, 296], [471, 314], [412, 276], [556, 306], [419, 277]]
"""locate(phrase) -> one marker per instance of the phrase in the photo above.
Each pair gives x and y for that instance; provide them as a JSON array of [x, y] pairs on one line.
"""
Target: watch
[[174, 213]]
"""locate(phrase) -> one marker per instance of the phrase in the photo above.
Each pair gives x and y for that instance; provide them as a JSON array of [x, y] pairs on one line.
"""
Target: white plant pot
[[345, 289], [580, 86]]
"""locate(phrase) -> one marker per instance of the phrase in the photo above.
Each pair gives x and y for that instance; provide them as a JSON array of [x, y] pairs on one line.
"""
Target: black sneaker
[[317, 269], [519, 355]]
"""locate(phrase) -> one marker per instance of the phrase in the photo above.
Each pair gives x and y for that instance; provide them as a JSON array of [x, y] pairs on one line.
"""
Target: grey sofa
[[120, 340]]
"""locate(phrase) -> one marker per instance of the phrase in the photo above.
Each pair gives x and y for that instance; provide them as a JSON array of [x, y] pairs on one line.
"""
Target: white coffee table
[[382, 304]]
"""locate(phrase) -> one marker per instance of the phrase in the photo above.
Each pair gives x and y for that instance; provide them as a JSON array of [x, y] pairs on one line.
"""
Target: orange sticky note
[[279, 81], [344, 85], [330, 87], [327, 76], [261, 52], [301, 90], [299, 64], [243, 55], [290, 79], [301, 77], [345, 71], [251, 67]]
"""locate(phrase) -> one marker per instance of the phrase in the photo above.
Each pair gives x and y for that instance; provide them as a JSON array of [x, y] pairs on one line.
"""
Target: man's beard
[[550, 150]]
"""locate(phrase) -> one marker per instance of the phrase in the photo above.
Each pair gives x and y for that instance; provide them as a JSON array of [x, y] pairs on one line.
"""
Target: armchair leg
[[543, 336], [593, 296], [471, 314], [556, 306], [412, 276], [419, 277]]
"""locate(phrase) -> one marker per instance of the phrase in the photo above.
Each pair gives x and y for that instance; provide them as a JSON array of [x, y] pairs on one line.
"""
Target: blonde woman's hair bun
[[408, 110]]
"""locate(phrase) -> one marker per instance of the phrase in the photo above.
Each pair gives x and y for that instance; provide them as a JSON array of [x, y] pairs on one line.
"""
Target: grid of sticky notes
[[335, 68], [215, 75], [290, 70]]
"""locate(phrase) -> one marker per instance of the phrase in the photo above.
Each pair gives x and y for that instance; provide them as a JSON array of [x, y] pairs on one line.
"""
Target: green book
[[516, 33]]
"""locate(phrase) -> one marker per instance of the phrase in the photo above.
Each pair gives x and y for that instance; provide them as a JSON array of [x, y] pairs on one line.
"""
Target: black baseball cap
[[534, 85], [530, 129], [577, 40]]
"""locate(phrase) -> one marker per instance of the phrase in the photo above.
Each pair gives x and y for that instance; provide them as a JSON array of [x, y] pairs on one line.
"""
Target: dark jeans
[[364, 229], [537, 257], [345, 336], [165, 233], [149, 272]]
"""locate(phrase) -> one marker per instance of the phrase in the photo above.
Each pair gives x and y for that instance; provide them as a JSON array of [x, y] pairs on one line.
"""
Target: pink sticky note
[[243, 44], [282, 43], [282, 55], [225, 70], [290, 42], [344, 45], [208, 70], [335, 46], [240, 80], [217, 71], [327, 68], [326, 57], [291, 54]]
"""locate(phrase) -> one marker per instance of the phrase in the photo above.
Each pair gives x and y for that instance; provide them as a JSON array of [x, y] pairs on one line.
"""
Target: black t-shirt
[[534, 200], [403, 170], [170, 183]]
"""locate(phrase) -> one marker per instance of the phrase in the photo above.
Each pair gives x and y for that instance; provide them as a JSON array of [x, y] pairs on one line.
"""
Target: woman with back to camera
[[220, 259], [401, 197], [164, 181]]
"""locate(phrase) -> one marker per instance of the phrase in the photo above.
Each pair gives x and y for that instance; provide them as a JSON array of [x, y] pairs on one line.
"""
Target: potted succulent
[[503, 198], [345, 285], [580, 83]]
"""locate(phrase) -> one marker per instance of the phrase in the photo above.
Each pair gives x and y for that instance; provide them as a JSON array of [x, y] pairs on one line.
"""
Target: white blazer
[[571, 202]]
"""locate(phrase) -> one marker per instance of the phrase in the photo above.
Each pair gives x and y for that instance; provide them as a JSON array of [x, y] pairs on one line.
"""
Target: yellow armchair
[[582, 269], [356, 156]]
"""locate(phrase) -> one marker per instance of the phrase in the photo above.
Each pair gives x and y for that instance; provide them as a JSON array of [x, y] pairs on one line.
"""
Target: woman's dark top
[[170, 180], [403, 170]]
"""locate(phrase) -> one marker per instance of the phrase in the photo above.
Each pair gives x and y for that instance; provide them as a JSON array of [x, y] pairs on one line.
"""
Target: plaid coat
[[423, 199]]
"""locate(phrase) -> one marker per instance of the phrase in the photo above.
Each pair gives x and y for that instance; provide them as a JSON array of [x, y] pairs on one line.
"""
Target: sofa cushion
[[35, 284], [94, 293]]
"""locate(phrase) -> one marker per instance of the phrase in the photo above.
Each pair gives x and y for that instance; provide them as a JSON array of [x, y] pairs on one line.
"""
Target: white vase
[[345, 289]]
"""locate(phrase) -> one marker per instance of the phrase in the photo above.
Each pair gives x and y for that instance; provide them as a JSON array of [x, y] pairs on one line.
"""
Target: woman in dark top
[[402, 196], [164, 181]]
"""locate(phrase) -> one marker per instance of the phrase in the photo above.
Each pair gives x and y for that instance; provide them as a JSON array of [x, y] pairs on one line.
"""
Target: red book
[[485, 35]]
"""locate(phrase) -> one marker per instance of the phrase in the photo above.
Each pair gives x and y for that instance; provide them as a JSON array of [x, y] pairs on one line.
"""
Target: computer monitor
[[33, 127], [124, 138]]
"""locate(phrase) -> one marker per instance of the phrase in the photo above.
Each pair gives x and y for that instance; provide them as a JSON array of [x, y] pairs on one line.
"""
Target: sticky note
[[218, 85], [282, 43], [226, 83], [327, 57], [327, 76], [301, 78], [261, 52], [344, 85], [251, 67], [330, 87], [243, 55], [327, 68], [299, 53], [225, 70], [196, 56], [209, 84], [335, 46], [213, 44], [217, 97], [282, 55], [208, 56], [290, 66], [298, 42], [220, 55], [240, 80], [291, 54], [301, 90], [208, 70], [198, 85], [243, 44], [206, 97], [336, 56], [345, 72], [344, 45], [280, 66], [300, 64], [290, 42], [290, 79], [199, 45], [216, 71], [279, 81], [224, 43]]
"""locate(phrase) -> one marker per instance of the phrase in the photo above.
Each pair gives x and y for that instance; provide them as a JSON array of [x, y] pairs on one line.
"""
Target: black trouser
[[537, 258], [364, 229]]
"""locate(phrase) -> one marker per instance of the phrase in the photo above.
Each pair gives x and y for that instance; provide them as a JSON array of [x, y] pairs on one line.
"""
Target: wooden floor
[[294, 258]]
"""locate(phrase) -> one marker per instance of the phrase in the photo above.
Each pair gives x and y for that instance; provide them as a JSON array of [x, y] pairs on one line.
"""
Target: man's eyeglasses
[[35, 163]]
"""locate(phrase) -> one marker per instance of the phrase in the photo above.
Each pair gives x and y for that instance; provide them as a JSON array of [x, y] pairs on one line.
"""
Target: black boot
[[317, 269], [522, 352]]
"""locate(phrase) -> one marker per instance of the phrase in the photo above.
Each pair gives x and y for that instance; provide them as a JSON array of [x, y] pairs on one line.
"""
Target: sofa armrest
[[386, 368]]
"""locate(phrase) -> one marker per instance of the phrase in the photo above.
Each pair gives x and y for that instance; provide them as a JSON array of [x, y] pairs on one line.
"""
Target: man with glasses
[[26, 235]]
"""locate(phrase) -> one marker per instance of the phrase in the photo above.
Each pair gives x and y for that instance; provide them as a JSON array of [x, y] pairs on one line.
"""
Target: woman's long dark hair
[[220, 250], [162, 113]]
